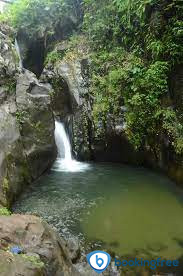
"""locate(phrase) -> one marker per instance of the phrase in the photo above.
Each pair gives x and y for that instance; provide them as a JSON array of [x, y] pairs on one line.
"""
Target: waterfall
[[19, 54], [65, 162], [62, 142]]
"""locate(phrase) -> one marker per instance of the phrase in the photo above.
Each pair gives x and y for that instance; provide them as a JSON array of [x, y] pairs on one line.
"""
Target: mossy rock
[[35, 260], [12, 265]]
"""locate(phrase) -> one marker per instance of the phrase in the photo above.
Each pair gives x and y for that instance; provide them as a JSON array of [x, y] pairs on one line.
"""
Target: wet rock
[[117, 148], [37, 125], [175, 170], [44, 252], [73, 249], [8, 56], [12, 265], [85, 270], [71, 98], [109, 142], [10, 139], [27, 146], [71, 73]]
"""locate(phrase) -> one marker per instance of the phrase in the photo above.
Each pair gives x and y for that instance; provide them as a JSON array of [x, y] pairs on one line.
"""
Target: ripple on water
[[122, 208]]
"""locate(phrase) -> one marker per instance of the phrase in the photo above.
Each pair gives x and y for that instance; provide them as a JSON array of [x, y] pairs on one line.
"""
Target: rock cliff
[[72, 98], [27, 146]]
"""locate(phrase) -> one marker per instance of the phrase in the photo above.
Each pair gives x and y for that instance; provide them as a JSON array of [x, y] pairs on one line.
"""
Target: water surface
[[122, 209]]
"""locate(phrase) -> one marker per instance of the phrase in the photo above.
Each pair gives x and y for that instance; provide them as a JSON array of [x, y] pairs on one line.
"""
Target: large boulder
[[27, 146], [36, 123], [13, 164], [18, 265], [44, 253], [10, 141]]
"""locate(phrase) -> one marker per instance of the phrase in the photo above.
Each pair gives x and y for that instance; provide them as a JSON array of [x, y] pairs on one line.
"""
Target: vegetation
[[21, 116], [35, 260], [11, 85], [53, 57], [76, 47], [5, 185], [40, 18], [135, 46], [4, 212]]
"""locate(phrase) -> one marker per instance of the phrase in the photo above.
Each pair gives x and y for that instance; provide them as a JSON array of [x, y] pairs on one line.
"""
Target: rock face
[[27, 146], [175, 162], [36, 123], [43, 252], [71, 99], [18, 265], [73, 72]]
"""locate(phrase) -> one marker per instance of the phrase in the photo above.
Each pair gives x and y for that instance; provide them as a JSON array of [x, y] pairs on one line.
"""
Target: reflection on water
[[126, 209]]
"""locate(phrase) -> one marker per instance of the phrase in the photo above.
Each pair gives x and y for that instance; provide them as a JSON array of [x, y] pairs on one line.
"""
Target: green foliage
[[4, 212], [142, 97], [135, 45], [34, 260], [5, 185], [53, 57], [21, 116], [173, 127], [74, 48], [11, 86], [77, 48], [40, 18]]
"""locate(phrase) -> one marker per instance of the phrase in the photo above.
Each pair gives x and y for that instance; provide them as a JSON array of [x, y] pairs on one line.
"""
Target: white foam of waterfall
[[65, 162], [62, 142], [19, 54]]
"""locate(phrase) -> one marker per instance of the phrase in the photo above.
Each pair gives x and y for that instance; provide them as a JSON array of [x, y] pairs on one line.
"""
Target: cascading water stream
[[62, 142], [19, 54], [65, 162]]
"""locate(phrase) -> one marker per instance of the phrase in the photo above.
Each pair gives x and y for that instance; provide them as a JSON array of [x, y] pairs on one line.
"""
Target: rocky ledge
[[42, 251]]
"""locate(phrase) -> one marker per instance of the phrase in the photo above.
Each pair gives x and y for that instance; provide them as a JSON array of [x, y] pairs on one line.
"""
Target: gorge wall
[[27, 146], [105, 91], [118, 103], [72, 98]]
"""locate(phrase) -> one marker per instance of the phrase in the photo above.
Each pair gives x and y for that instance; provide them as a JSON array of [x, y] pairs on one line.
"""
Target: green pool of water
[[125, 210]]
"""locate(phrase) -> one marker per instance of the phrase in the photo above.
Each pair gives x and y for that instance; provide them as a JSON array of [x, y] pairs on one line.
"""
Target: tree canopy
[[41, 17]]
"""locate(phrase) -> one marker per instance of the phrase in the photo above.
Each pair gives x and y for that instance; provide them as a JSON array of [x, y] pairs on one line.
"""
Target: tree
[[39, 18]]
